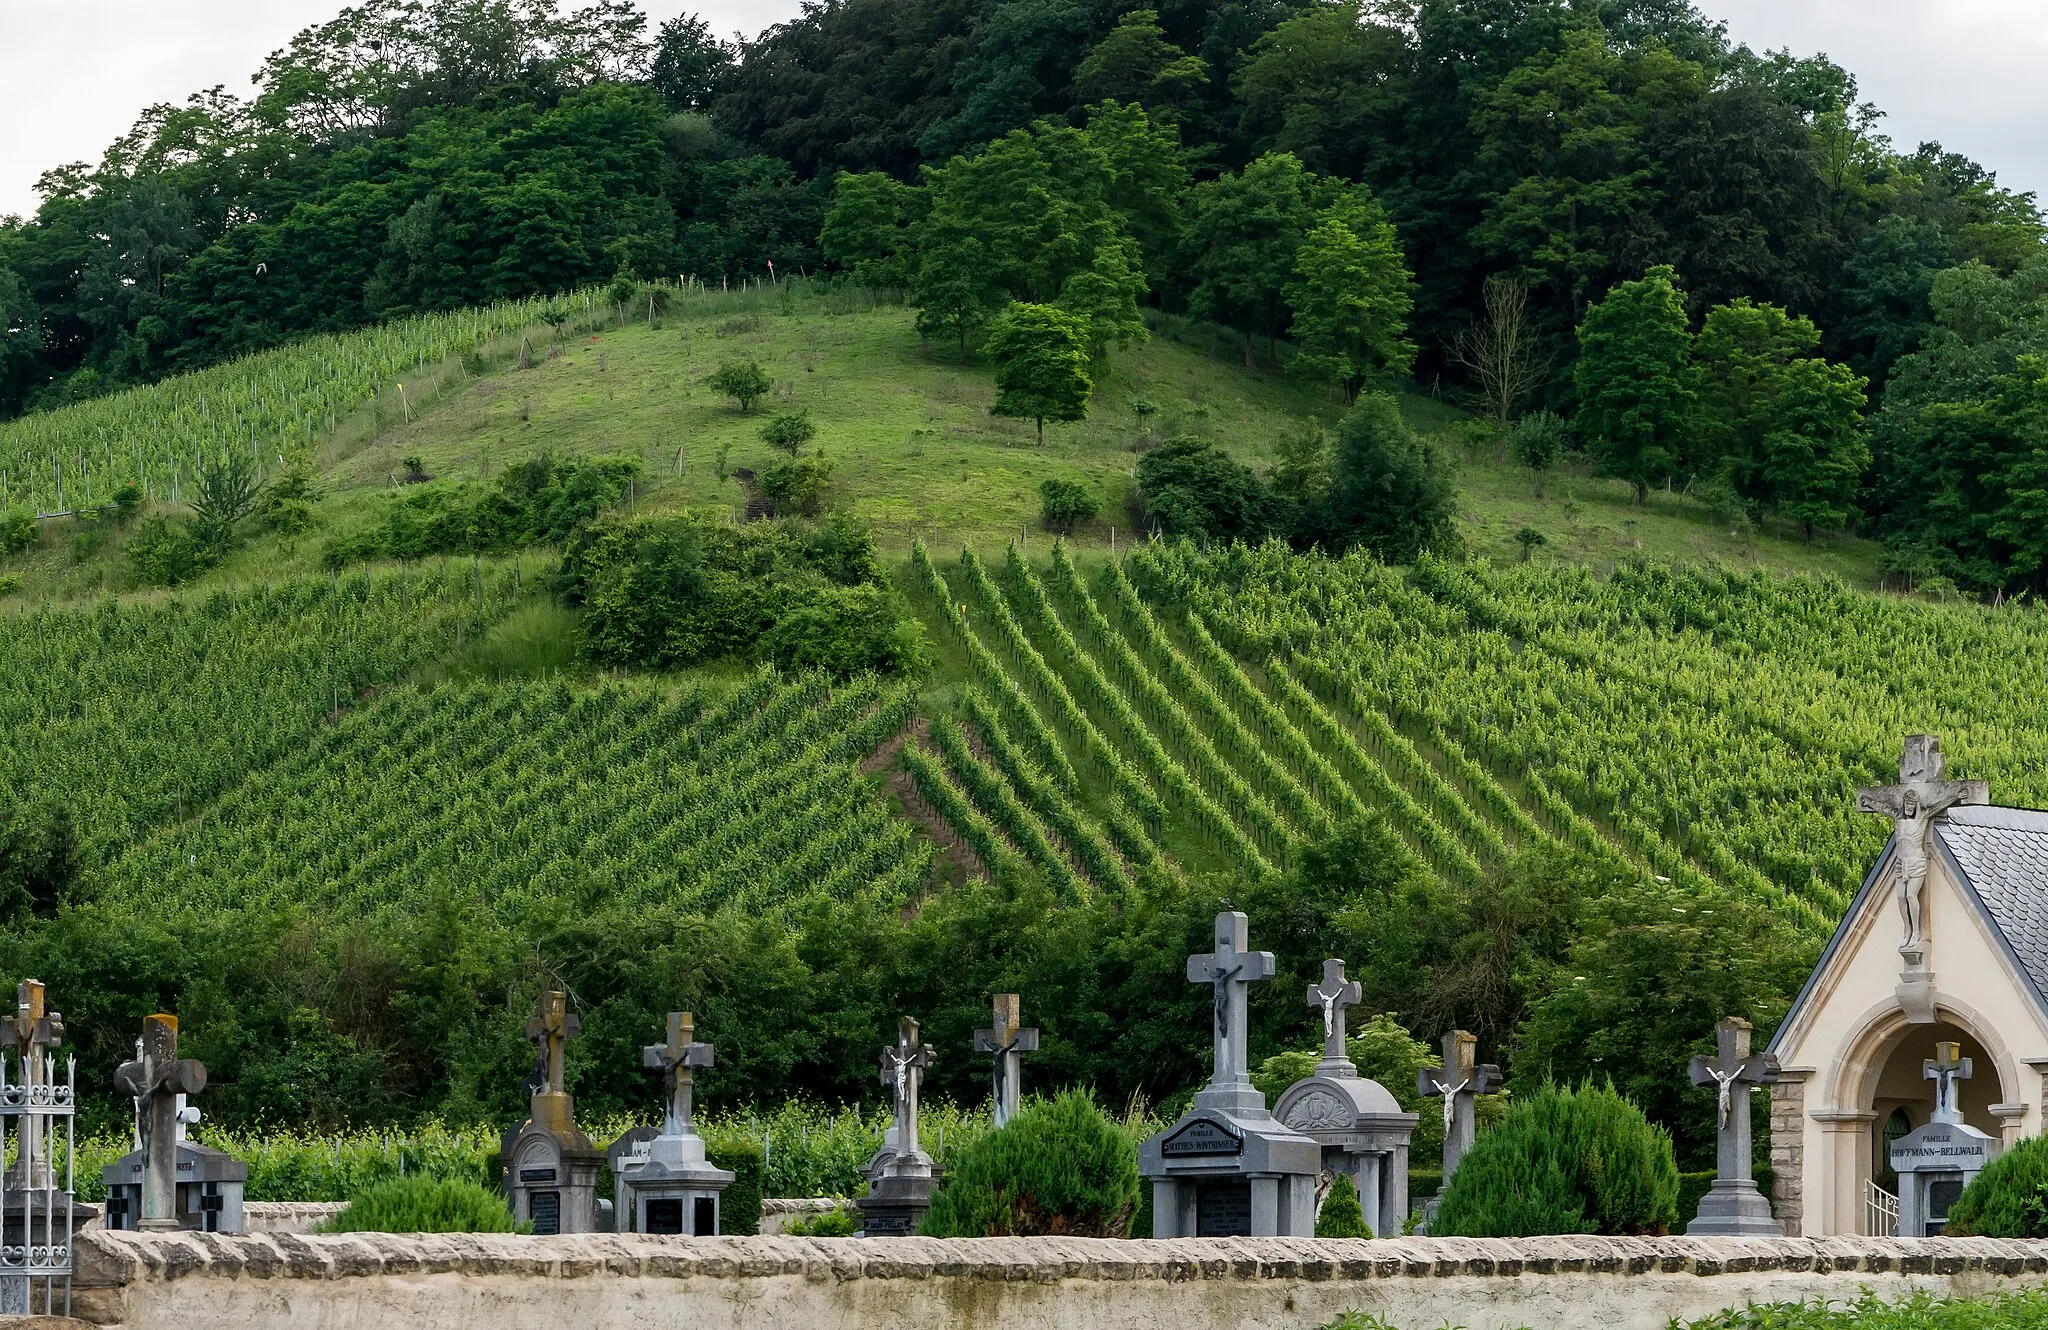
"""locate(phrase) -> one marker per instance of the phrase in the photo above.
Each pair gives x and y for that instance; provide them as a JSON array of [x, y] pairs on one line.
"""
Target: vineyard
[[518, 794], [1217, 709], [134, 714], [271, 404]]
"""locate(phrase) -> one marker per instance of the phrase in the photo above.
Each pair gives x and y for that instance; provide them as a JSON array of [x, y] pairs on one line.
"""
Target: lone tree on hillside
[[1501, 351], [1041, 356], [1635, 379], [744, 381], [790, 430]]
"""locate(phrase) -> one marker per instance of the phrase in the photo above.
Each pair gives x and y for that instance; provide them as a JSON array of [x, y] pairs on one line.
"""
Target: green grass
[[917, 453]]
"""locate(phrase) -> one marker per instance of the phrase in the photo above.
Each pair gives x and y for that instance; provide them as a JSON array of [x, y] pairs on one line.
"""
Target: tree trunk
[[1251, 360], [1642, 493], [1041, 431]]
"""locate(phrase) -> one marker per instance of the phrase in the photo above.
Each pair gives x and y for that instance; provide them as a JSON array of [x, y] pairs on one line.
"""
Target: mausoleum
[[1930, 993]]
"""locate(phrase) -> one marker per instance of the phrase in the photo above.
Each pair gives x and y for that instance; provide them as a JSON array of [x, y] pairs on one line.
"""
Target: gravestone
[[1006, 1043], [1229, 1168], [901, 1176], [1733, 1207], [1458, 1082], [550, 1165], [1360, 1126], [669, 1187], [170, 1183], [1935, 1162]]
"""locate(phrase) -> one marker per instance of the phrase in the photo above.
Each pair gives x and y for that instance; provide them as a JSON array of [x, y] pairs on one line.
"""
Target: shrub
[[1190, 488], [744, 381], [1390, 490], [837, 1223], [1060, 1167], [424, 1205], [1537, 442], [789, 430], [17, 532], [799, 486], [2009, 1199], [9, 583], [1063, 503], [845, 631], [1529, 538], [538, 502], [739, 1209], [1564, 1161], [167, 553], [1342, 1216]]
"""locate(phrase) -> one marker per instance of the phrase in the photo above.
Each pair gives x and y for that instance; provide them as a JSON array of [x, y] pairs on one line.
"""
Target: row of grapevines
[[1088, 843], [1210, 819], [994, 796]]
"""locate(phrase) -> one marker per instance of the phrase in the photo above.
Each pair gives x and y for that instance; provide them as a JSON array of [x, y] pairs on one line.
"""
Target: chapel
[[1926, 1013]]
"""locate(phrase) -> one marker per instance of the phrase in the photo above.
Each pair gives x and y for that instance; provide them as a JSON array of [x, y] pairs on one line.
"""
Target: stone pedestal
[[896, 1204], [208, 1193], [665, 1185], [1219, 1174], [1734, 1208], [551, 1171]]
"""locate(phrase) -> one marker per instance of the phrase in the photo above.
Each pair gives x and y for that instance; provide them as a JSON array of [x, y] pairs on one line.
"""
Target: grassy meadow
[[906, 426]]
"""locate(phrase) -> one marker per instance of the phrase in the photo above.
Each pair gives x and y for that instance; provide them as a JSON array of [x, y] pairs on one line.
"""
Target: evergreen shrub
[[1061, 1166], [2009, 1199], [1342, 1216], [1564, 1161], [418, 1204], [739, 1208]]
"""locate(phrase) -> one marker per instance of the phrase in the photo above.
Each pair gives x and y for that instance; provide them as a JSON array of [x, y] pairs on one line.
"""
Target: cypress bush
[[2009, 1199], [1564, 1161], [416, 1204], [1342, 1216], [1061, 1166]]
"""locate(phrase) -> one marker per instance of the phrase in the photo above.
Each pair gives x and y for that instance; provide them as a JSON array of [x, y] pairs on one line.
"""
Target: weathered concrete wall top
[[336, 1282]]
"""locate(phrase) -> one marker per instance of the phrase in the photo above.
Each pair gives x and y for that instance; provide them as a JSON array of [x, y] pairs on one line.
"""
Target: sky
[[74, 73]]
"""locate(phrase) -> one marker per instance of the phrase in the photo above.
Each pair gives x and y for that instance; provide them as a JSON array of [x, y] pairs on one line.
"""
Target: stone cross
[[902, 1071], [674, 1060], [1007, 1041], [1457, 1082], [31, 1032], [157, 1080], [1948, 1069], [551, 1026], [1230, 969], [1731, 1072], [1333, 995], [1923, 793]]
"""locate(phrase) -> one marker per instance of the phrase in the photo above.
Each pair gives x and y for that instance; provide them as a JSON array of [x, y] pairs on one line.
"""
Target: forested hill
[[1480, 174]]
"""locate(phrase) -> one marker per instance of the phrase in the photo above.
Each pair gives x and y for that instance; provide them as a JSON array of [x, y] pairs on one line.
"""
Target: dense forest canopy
[[1274, 165]]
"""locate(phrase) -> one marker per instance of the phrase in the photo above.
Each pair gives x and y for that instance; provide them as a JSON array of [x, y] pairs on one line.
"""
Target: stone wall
[[378, 1281]]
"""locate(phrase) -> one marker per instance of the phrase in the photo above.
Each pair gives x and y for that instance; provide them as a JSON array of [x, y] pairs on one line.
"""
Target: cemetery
[[1936, 1032]]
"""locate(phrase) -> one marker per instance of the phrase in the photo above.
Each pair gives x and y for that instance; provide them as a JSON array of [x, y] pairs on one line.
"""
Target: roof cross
[[1923, 793]]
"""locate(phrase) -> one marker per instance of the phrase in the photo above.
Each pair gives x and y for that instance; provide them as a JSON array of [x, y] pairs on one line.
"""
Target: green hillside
[[343, 819]]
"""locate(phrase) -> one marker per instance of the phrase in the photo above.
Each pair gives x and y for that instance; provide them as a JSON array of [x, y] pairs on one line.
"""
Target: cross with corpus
[[1948, 1069], [674, 1060], [902, 1069], [1008, 1042], [31, 1031], [1229, 969], [550, 1027], [1923, 793], [1458, 1081], [155, 1080], [1333, 995], [1733, 1068]]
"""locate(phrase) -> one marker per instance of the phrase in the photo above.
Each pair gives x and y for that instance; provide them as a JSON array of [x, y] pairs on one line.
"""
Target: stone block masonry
[[375, 1281]]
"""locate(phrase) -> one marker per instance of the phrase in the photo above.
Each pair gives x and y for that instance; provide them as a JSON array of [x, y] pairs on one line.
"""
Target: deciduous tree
[[1351, 298], [1041, 358], [1635, 379]]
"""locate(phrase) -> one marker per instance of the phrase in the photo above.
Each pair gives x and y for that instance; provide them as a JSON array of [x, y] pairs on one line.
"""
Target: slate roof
[[2003, 855]]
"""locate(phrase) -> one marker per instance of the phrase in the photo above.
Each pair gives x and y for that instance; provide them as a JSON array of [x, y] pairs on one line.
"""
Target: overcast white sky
[[74, 73]]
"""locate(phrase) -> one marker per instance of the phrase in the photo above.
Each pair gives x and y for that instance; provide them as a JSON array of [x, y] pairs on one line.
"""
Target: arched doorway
[[1881, 1092]]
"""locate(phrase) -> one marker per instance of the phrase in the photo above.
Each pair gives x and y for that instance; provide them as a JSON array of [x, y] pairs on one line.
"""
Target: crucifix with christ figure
[[1007, 1041], [156, 1080], [1333, 995], [675, 1060], [1948, 1069], [551, 1027], [903, 1071], [1733, 1207], [1230, 969], [1923, 793], [1458, 1082]]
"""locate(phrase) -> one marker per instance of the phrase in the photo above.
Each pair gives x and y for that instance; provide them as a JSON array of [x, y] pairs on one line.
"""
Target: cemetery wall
[[375, 1281]]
